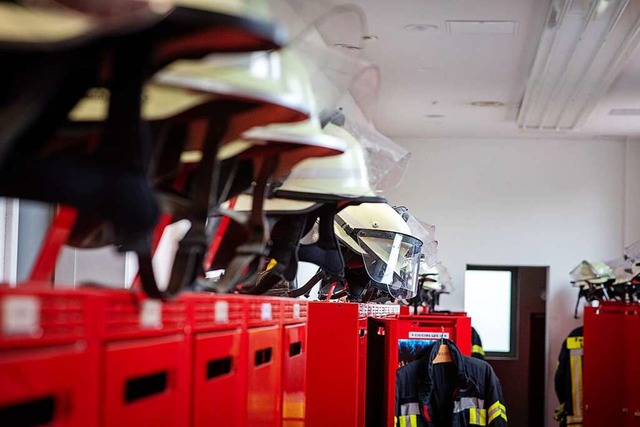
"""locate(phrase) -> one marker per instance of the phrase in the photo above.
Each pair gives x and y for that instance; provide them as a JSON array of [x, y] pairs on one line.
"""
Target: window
[[490, 297]]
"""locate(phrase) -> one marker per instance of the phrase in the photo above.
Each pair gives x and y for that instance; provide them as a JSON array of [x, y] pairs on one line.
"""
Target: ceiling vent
[[482, 27], [625, 112], [582, 49]]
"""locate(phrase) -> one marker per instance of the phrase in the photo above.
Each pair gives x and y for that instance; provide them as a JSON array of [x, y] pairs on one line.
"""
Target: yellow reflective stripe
[[575, 363], [574, 343], [395, 421], [483, 417], [413, 419], [494, 410], [403, 421], [477, 417], [272, 264], [497, 410], [477, 349]]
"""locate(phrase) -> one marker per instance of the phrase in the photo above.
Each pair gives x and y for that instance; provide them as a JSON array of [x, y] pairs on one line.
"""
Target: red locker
[[603, 371], [264, 376], [47, 387], [144, 382], [264, 371], [219, 375], [294, 363], [336, 365], [631, 397], [219, 379], [454, 326], [145, 360], [383, 357], [48, 371]]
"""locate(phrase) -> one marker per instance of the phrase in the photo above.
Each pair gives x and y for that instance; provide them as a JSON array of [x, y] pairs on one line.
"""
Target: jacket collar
[[456, 359]]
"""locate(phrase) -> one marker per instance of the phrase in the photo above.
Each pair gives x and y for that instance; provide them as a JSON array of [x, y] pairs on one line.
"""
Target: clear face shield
[[624, 269], [633, 251], [425, 232], [387, 160], [391, 260]]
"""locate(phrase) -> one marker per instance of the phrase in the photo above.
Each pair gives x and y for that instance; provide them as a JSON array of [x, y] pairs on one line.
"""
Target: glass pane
[[487, 300]]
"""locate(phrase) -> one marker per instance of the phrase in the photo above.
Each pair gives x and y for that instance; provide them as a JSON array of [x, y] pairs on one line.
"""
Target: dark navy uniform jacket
[[465, 392], [568, 380]]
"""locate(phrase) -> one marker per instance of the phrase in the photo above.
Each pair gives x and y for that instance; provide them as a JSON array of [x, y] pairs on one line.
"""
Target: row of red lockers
[[113, 358]]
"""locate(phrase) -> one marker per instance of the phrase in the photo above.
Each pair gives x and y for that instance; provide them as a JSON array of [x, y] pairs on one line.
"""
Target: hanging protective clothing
[[568, 380], [464, 392], [476, 345]]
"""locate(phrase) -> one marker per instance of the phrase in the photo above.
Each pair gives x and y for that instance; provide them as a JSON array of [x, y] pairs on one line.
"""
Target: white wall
[[525, 203], [632, 193]]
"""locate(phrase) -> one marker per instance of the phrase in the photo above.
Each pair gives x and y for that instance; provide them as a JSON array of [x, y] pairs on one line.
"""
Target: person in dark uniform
[[476, 345]]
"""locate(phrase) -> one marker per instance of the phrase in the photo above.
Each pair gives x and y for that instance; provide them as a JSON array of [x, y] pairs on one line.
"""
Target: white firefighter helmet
[[295, 142], [341, 177], [429, 276], [276, 79], [390, 253], [594, 272]]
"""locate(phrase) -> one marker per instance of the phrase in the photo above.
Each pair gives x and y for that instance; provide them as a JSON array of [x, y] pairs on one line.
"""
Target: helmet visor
[[426, 233], [391, 259], [633, 250], [387, 161], [624, 269]]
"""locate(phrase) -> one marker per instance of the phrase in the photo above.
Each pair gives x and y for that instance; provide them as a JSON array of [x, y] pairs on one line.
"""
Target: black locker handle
[[263, 356], [145, 386], [295, 349], [218, 367], [35, 412], [363, 332]]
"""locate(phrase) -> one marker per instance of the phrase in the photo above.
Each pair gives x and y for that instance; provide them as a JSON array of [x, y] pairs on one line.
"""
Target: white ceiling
[[438, 73]]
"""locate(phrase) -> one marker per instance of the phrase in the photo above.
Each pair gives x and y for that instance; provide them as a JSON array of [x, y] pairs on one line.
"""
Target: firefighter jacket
[[568, 380], [476, 345], [465, 392]]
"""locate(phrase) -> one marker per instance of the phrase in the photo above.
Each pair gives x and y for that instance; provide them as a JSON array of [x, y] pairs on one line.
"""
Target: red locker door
[[294, 363], [631, 396], [264, 377], [603, 371], [362, 372], [219, 379], [146, 382], [47, 387]]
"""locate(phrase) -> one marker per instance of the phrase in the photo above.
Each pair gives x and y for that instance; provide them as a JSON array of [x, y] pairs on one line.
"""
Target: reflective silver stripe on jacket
[[410, 408], [467, 403]]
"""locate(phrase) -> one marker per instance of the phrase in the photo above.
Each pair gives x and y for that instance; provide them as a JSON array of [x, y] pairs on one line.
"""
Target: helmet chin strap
[[326, 251], [575, 311]]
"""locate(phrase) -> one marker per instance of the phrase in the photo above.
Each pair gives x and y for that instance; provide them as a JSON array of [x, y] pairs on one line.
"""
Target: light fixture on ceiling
[[624, 112], [582, 49], [482, 27], [434, 116], [487, 104], [347, 46], [370, 38], [419, 28]]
